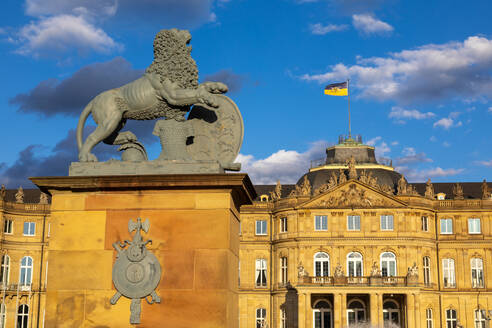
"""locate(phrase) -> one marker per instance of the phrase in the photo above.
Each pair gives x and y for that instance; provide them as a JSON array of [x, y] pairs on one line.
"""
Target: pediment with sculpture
[[353, 194]]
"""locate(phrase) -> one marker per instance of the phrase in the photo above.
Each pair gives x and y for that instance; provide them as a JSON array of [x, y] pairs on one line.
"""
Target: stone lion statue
[[167, 89]]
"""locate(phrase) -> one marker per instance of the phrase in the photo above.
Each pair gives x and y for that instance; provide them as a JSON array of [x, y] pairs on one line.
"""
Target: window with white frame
[[427, 269], [29, 228], [446, 226], [321, 264], [320, 223], [428, 318], [356, 313], [261, 227], [261, 273], [260, 317], [451, 319], [5, 270], [283, 224], [238, 273], [388, 264], [25, 277], [3, 315], [23, 316], [353, 222], [283, 270], [7, 226], [386, 222], [354, 264], [480, 318], [283, 318], [474, 226], [477, 272], [448, 273], [425, 223]]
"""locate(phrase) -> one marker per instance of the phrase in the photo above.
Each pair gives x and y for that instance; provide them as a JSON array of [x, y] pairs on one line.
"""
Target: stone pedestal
[[194, 226]]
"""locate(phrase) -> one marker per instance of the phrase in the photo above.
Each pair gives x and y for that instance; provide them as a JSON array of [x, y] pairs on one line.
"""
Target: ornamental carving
[[277, 193], [429, 189], [303, 190], [485, 190], [136, 271], [458, 191], [353, 196]]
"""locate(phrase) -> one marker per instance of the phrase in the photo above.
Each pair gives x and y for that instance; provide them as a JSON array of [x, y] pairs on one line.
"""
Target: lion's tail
[[80, 126]]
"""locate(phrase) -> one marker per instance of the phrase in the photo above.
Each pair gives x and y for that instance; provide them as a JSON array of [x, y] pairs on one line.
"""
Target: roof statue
[[341, 177], [352, 174], [402, 186], [201, 131], [303, 190], [429, 189], [458, 191], [485, 190], [43, 198], [3, 192], [277, 193], [19, 195]]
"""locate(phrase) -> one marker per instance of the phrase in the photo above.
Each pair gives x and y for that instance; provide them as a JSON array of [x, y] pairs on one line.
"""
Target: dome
[[337, 158]]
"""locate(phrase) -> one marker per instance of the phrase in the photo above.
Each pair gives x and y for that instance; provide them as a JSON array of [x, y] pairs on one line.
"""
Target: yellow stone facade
[[302, 229], [24, 263]]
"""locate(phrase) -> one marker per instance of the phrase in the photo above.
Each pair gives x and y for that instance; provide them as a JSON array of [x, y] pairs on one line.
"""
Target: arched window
[[5, 270], [260, 317], [25, 277], [261, 273], [356, 312], [391, 312], [23, 316], [427, 269], [480, 318], [3, 315], [354, 264], [451, 320], [428, 318], [322, 314], [388, 264], [477, 272], [283, 270], [448, 273], [321, 264]]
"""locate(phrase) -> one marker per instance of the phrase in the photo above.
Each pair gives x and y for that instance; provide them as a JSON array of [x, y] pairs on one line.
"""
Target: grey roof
[[31, 196]]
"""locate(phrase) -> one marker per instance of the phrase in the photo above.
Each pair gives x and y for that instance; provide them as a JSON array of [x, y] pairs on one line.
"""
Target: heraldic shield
[[136, 271]]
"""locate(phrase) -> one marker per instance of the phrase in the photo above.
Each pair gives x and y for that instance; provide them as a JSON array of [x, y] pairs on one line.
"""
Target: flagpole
[[348, 97]]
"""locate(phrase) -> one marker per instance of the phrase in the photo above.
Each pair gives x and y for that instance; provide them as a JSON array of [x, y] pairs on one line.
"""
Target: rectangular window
[[283, 270], [260, 318], [448, 273], [320, 222], [425, 223], [283, 224], [446, 226], [386, 222], [261, 273], [261, 227], [480, 319], [283, 319], [477, 272], [353, 222], [451, 320], [474, 226], [29, 228], [427, 272], [7, 226], [428, 318]]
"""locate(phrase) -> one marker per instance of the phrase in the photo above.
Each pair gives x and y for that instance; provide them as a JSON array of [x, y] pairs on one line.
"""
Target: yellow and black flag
[[337, 89]]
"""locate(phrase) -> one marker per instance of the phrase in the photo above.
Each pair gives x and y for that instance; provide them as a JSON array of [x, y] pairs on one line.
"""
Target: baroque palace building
[[352, 244]]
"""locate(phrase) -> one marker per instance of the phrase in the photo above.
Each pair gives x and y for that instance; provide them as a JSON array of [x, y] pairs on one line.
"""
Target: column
[[301, 310], [340, 309], [418, 315], [375, 310], [410, 315]]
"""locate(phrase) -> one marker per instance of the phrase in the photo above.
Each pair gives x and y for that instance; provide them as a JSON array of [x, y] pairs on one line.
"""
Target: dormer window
[[264, 198], [441, 196]]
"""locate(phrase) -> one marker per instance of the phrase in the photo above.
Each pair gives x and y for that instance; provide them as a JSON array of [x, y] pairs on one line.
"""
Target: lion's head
[[172, 58]]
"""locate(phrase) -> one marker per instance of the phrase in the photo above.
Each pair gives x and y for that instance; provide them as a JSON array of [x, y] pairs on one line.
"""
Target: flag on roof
[[337, 89]]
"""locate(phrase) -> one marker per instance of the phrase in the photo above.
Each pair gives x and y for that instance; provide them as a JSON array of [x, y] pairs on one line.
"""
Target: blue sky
[[420, 71]]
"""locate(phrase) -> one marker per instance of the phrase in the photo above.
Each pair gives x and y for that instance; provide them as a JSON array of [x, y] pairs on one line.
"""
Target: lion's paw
[[215, 87], [89, 157]]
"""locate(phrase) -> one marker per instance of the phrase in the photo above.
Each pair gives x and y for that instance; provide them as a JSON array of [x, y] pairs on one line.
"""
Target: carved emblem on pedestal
[[136, 272]]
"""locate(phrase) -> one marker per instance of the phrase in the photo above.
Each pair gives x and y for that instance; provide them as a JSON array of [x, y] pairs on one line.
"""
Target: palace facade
[[352, 244]]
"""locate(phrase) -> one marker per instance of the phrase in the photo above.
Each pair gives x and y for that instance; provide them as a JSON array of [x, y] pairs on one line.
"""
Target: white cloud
[[433, 139], [368, 24], [415, 175], [432, 71], [320, 29], [446, 144], [447, 122], [410, 155], [401, 114], [38, 8], [484, 163], [284, 165], [490, 110], [381, 147], [64, 33], [395, 143]]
